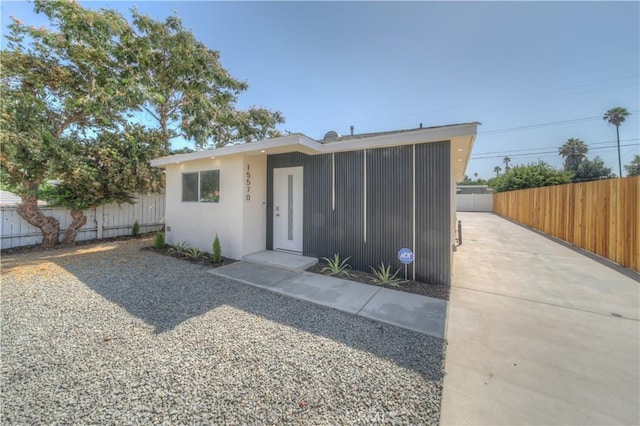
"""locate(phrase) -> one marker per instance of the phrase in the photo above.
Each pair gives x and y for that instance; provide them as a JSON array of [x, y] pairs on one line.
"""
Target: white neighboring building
[[474, 198]]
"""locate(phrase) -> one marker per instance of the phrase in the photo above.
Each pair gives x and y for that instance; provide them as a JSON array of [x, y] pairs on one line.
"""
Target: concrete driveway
[[538, 333]]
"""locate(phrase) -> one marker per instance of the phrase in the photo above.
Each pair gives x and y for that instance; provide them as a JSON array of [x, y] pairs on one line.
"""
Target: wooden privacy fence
[[601, 217], [112, 220]]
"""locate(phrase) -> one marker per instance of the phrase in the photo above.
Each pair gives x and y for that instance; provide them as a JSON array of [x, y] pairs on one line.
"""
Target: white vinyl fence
[[474, 202], [112, 220]]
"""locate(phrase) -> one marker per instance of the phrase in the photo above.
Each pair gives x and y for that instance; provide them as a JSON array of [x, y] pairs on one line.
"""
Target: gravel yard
[[111, 334]]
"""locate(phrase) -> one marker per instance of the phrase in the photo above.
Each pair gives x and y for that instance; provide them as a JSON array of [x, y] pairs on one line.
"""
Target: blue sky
[[513, 66]]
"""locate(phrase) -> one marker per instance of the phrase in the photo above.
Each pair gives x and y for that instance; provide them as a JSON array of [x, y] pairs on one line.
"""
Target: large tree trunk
[[79, 219], [49, 226]]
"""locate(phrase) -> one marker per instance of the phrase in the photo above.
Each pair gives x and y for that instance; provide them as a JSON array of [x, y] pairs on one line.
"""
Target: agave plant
[[383, 275], [179, 249], [335, 266], [193, 253]]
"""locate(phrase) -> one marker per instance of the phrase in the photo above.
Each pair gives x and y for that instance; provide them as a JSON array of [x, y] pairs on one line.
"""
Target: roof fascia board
[[403, 138], [290, 140], [417, 136]]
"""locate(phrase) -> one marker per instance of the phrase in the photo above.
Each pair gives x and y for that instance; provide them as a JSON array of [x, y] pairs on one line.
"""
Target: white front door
[[287, 209]]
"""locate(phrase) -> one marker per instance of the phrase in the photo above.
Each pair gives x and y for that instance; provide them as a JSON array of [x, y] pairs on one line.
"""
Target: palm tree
[[616, 116], [476, 175], [497, 169], [506, 160], [573, 151]]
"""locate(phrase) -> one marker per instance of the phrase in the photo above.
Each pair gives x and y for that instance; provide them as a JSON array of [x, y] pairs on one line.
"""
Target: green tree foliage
[[58, 84], [530, 176], [497, 169], [112, 167], [617, 116], [188, 92], [573, 151], [591, 170], [70, 93], [506, 160], [633, 168], [183, 150], [468, 181]]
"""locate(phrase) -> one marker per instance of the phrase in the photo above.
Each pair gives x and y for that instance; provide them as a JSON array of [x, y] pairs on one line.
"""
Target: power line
[[552, 152], [546, 147], [545, 95], [553, 123]]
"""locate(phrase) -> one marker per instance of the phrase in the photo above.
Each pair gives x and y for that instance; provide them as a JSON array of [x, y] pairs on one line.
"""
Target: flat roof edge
[[426, 135]]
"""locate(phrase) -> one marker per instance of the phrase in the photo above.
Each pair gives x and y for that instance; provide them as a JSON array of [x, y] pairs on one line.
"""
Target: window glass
[[190, 187], [210, 186]]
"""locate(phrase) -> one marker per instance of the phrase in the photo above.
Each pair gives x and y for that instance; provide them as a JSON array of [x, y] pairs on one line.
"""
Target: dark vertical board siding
[[389, 205], [433, 213], [389, 208], [347, 233], [317, 205]]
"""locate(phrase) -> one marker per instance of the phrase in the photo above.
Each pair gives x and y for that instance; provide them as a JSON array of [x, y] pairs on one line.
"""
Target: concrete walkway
[[538, 333], [414, 312]]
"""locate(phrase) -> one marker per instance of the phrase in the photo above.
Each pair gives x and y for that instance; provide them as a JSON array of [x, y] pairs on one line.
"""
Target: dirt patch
[[38, 248], [437, 291]]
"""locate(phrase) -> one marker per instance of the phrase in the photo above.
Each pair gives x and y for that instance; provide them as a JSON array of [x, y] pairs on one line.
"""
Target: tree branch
[[76, 118], [150, 112]]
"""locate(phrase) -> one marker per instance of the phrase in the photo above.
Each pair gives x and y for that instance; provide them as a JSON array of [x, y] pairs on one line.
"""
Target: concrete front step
[[278, 259]]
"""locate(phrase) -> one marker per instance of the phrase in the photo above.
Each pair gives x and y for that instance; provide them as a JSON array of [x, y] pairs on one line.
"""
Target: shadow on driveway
[[165, 292]]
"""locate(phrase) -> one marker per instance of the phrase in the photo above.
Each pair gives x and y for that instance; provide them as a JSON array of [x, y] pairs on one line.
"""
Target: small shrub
[[216, 253], [383, 275], [159, 240], [193, 253], [335, 266], [179, 249], [135, 229]]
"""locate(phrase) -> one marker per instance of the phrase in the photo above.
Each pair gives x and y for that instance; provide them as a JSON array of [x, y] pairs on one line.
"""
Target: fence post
[[99, 221]]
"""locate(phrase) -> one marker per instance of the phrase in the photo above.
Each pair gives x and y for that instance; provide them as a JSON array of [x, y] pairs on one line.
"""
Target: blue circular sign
[[405, 256]]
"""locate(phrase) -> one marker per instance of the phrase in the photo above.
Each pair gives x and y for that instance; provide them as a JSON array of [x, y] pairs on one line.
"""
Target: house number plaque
[[248, 183]]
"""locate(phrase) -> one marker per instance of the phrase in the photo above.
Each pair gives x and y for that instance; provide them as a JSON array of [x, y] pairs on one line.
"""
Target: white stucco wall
[[254, 216], [240, 223]]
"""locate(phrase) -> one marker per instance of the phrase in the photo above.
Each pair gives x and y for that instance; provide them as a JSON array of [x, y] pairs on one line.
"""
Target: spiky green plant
[[335, 266], [216, 252], [135, 229], [158, 242], [179, 249], [193, 253], [383, 275]]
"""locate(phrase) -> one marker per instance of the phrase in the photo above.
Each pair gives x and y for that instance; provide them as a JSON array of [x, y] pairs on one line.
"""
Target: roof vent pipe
[[351, 129]]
